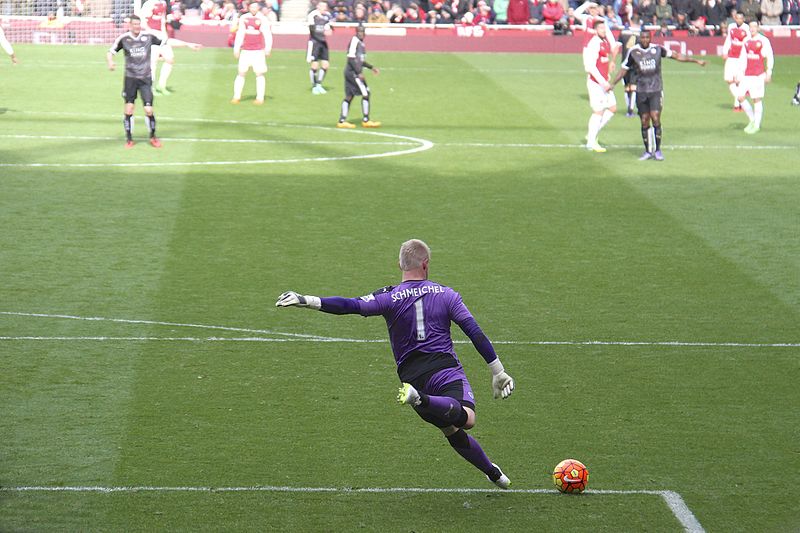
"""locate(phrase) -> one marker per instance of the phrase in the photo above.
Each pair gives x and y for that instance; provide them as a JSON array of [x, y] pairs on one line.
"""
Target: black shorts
[[649, 102], [317, 51], [355, 86], [136, 85], [629, 78]]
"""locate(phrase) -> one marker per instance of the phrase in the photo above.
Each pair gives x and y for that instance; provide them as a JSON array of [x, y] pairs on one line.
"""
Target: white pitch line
[[103, 338], [298, 337], [205, 140], [174, 324], [673, 500], [416, 145]]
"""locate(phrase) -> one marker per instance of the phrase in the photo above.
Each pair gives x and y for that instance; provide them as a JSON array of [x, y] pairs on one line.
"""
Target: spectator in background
[[771, 11], [376, 14], [396, 14], [207, 9], [552, 12], [751, 9], [440, 14], [647, 12], [269, 13], [360, 13], [714, 12], [518, 12], [535, 8], [664, 31], [458, 8], [229, 12], [664, 15], [691, 8], [722, 29], [612, 19], [791, 12], [414, 15], [681, 23], [571, 20], [342, 12], [500, 8], [625, 12], [484, 13]]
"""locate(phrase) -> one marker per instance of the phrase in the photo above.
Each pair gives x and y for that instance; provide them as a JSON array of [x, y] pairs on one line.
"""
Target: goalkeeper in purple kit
[[418, 313]]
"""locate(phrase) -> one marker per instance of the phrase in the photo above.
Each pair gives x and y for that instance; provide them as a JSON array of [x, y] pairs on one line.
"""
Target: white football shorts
[[599, 100], [733, 69], [752, 85], [255, 59]]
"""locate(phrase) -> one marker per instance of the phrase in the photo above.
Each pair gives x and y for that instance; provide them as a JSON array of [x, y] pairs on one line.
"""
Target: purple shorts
[[449, 382]]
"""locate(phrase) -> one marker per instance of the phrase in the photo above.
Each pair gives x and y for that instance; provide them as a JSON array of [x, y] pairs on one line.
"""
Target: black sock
[[658, 136], [128, 123], [646, 138], [151, 124]]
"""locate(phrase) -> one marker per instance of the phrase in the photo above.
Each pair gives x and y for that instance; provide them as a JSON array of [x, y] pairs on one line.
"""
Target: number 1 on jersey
[[420, 320]]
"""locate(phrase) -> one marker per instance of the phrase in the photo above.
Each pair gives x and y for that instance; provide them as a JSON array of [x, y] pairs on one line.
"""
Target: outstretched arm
[[686, 59], [336, 305], [178, 43]]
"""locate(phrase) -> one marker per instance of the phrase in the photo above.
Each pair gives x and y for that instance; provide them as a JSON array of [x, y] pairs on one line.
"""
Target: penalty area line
[[672, 499]]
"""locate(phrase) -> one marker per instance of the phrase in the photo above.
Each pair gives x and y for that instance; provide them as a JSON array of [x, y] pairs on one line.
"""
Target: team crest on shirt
[[653, 51]]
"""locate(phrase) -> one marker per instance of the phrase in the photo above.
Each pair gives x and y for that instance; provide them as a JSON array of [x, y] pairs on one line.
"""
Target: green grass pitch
[[545, 241]]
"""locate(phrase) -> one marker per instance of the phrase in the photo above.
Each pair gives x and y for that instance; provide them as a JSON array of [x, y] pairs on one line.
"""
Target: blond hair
[[412, 253]]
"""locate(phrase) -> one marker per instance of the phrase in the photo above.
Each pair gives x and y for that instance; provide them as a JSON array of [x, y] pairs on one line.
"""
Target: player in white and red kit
[[155, 14], [252, 46], [7, 48], [758, 51], [738, 33], [597, 57]]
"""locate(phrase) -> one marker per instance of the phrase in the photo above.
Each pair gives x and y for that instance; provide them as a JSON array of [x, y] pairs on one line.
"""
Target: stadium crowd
[[703, 17]]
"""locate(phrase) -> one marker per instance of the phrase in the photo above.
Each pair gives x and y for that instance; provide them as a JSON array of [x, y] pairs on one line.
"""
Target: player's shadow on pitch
[[252, 97], [3, 110]]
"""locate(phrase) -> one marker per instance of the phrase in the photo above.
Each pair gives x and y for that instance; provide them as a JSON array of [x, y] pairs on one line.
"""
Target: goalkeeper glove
[[502, 383], [291, 298]]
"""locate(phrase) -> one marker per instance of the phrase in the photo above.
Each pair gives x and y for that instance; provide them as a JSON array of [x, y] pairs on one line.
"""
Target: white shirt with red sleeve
[[757, 49], [596, 57], [253, 34]]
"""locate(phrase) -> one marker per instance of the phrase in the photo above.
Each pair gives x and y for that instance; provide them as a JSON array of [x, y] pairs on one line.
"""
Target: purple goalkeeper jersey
[[418, 315]]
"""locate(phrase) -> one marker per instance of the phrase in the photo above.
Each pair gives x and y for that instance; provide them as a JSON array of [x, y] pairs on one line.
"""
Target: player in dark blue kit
[[418, 313], [354, 82]]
